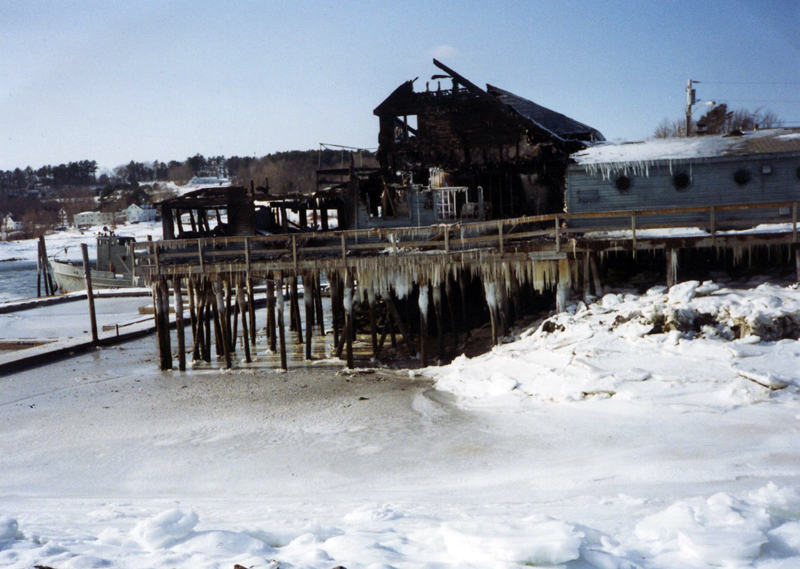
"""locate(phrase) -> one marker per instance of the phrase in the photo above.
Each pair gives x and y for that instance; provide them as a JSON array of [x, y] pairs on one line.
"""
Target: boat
[[113, 268]]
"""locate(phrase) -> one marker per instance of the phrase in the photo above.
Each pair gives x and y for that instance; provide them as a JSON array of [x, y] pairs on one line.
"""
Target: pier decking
[[509, 258]]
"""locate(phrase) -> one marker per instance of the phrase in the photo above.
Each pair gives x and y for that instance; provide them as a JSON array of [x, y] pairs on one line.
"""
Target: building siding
[[712, 184]]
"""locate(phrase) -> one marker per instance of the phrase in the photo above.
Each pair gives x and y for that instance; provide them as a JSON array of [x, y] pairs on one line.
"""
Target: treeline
[[287, 172]]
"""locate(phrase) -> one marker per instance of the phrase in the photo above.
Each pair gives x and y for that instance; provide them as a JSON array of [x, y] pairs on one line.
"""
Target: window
[[623, 184], [682, 181], [742, 176]]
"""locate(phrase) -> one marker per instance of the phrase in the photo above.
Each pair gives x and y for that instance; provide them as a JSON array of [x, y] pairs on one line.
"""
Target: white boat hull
[[70, 278]]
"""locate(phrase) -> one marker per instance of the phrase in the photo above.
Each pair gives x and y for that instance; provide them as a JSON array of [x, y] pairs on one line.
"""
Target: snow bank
[[724, 531], [646, 348], [537, 540]]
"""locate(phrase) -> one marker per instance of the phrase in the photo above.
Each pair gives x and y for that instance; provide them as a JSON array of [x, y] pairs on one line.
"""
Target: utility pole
[[690, 101]]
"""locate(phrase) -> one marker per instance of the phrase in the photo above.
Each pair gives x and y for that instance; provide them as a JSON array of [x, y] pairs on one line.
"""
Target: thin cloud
[[444, 52]]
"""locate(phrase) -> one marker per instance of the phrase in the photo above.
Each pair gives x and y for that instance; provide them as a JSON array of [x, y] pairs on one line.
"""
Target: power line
[[753, 100], [749, 82]]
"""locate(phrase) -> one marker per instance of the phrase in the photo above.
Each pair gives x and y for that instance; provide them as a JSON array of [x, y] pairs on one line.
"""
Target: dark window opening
[[797, 173], [623, 183], [681, 181], [742, 176]]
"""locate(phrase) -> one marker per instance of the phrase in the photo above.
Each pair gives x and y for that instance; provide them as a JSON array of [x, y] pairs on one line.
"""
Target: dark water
[[17, 280]]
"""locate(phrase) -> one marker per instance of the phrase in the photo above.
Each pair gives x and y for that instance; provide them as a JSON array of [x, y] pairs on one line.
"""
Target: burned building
[[458, 152]]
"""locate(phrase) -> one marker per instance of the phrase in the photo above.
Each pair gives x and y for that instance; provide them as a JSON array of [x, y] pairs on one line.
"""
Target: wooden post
[[387, 325], [229, 314], [491, 302], [564, 284], [281, 333], [437, 307], [412, 350], [198, 337], [672, 267], [333, 280], [250, 299], [422, 301], [308, 301], [462, 285], [797, 264], [222, 310], [87, 276], [176, 287], [163, 328], [373, 329], [598, 288], [318, 303], [349, 325], [295, 301], [243, 313], [271, 312], [192, 309], [39, 271], [451, 309]]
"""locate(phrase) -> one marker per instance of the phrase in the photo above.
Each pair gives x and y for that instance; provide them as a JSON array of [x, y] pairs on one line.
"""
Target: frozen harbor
[[595, 440]]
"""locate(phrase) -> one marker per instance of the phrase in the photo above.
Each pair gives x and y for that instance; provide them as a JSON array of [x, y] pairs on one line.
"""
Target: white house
[[89, 218], [135, 213], [10, 225], [208, 181]]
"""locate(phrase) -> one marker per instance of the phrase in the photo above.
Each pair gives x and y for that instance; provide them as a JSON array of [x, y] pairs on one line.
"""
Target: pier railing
[[546, 233]]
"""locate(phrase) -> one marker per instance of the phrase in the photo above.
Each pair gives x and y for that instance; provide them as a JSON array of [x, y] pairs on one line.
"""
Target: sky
[[120, 81]]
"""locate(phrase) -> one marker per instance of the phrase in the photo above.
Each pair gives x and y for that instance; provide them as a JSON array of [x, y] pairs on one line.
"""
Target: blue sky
[[136, 80]]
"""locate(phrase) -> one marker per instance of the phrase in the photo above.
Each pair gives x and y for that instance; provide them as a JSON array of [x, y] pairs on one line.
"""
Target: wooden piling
[[222, 311], [491, 303], [271, 312], [672, 267], [281, 333], [563, 286], [87, 277], [333, 280], [176, 287], [240, 302], [163, 323], [598, 287], [296, 324], [422, 302], [398, 319], [308, 301], [437, 307], [318, 303], [373, 329], [349, 324]]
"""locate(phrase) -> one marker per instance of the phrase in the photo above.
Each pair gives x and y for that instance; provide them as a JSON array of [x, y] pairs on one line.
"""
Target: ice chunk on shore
[[164, 529], [8, 528]]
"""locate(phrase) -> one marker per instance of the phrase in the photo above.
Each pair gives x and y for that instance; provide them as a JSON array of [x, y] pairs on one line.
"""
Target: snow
[[655, 430], [67, 244]]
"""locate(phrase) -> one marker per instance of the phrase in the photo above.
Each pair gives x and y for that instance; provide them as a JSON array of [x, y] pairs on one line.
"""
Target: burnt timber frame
[[538, 252]]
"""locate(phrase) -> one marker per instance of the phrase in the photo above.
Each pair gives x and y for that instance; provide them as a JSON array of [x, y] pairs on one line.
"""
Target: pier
[[419, 284]]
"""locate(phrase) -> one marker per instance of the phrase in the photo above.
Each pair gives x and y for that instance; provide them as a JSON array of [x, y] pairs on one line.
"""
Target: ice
[[8, 528], [537, 540], [165, 529]]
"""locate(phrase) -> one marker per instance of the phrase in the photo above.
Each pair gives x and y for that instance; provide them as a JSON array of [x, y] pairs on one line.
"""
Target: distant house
[[63, 217], [716, 170], [10, 225], [135, 213], [208, 181], [90, 218]]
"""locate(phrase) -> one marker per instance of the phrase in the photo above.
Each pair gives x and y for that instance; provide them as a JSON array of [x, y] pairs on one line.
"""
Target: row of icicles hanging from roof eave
[[401, 277], [609, 170]]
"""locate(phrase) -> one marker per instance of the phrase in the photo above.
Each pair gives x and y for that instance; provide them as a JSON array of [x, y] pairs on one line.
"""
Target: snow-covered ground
[[67, 244], [652, 431]]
